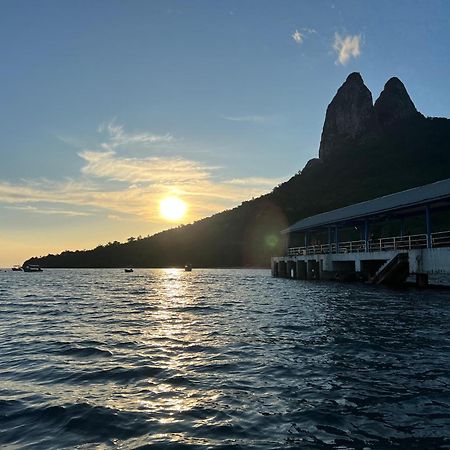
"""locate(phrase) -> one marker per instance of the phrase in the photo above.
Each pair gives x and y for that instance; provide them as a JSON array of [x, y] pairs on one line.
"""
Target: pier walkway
[[383, 240]]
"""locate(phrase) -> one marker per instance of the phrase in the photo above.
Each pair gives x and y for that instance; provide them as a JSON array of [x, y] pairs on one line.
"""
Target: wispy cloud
[[347, 47], [249, 118], [142, 170], [255, 181], [40, 210], [117, 137], [125, 187], [297, 36]]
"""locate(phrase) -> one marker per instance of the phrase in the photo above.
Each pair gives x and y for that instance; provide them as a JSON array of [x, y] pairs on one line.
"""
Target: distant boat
[[17, 268], [32, 268], [188, 268], [129, 270]]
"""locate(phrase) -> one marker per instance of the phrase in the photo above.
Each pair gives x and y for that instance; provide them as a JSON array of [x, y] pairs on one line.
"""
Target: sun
[[172, 208]]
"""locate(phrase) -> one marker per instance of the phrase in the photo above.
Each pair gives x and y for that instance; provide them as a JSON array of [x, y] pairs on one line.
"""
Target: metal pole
[[428, 222], [366, 234], [337, 239]]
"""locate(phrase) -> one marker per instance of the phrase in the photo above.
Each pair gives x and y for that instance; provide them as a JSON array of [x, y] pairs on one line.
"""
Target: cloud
[[124, 187], [117, 137], [255, 181], [142, 170], [249, 118], [347, 47], [297, 36], [40, 210]]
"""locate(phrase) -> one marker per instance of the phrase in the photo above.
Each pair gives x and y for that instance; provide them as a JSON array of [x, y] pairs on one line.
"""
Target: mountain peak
[[354, 77], [394, 103], [350, 116]]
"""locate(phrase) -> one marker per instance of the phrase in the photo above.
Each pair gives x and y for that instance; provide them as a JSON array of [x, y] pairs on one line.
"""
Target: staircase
[[394, 271]]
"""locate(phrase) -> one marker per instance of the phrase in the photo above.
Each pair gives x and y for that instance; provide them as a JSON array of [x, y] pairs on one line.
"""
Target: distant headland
[[366, 150]]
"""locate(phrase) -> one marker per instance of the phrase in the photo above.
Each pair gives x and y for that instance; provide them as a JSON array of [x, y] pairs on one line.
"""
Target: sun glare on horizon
[[172, 208]]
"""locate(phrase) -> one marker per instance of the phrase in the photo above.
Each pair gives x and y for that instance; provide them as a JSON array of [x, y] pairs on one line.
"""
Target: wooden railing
[[415, 241]]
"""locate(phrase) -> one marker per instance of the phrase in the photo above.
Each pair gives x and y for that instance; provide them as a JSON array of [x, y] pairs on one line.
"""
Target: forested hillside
[[366, 151]]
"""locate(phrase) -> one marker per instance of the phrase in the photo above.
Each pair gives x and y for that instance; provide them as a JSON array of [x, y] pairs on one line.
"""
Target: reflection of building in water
[[383, 240]]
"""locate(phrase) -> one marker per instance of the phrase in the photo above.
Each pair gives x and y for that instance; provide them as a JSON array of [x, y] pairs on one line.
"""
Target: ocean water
[[168, 359]]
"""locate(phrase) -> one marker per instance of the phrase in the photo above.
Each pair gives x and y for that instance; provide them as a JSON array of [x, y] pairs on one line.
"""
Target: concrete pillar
[[291, 269], [312, 270], [282, 270], [421, 280], [274, 268], [301, 270]]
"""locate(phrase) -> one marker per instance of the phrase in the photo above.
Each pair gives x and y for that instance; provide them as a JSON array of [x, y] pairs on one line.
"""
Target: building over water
[[384, 240]]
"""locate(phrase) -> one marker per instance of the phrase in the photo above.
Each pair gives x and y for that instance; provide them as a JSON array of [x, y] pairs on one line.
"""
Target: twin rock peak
[[352, 117]]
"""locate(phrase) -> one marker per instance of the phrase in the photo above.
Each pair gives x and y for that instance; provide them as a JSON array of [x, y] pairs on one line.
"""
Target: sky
[[109, 107]]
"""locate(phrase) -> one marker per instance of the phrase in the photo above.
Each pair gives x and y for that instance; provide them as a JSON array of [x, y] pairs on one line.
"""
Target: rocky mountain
[[366, 151], [350, 116], [394, 104]]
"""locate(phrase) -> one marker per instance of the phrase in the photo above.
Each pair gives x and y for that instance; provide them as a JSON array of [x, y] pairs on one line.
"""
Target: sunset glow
[[172, 208]]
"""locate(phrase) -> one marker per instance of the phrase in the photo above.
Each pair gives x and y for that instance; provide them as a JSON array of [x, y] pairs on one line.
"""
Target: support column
[[275, 271], [402, 227], [421, 280], [291, 269], [366, 234], [429, 227], [301, 270], [336, 230], [282, 269]]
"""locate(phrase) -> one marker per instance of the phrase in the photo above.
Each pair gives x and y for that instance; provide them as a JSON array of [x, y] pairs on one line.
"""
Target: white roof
[[400, 200]]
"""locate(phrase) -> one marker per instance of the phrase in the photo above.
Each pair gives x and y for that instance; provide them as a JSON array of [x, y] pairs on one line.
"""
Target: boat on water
[[17, 268], [129, 270], [188, 268], [32, 268]]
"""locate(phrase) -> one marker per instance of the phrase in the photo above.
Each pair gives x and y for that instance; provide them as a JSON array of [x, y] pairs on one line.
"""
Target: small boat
[[32, 268], [188, 268], [17, 268], [129, 270]]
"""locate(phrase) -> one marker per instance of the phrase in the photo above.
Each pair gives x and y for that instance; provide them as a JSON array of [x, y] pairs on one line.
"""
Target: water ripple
[[167, 359]]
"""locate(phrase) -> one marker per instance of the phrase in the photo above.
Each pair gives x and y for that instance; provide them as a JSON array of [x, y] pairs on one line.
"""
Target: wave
[[86, 352], [85, 422]]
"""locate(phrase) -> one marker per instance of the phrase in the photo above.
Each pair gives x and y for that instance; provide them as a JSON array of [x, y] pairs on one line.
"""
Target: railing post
[[429, 228], [366, 235], [337, 239]]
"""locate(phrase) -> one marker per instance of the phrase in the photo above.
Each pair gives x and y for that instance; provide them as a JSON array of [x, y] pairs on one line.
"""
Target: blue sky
[[109, 106]]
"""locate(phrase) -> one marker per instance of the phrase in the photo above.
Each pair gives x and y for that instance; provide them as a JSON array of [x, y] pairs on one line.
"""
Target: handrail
[[409, 242], [440, 239]]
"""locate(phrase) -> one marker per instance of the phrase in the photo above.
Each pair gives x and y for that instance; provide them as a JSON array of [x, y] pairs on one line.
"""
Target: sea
[[220, 359]]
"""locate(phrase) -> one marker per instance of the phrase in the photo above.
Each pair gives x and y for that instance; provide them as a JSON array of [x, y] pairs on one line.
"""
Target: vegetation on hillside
[[412, 153]]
